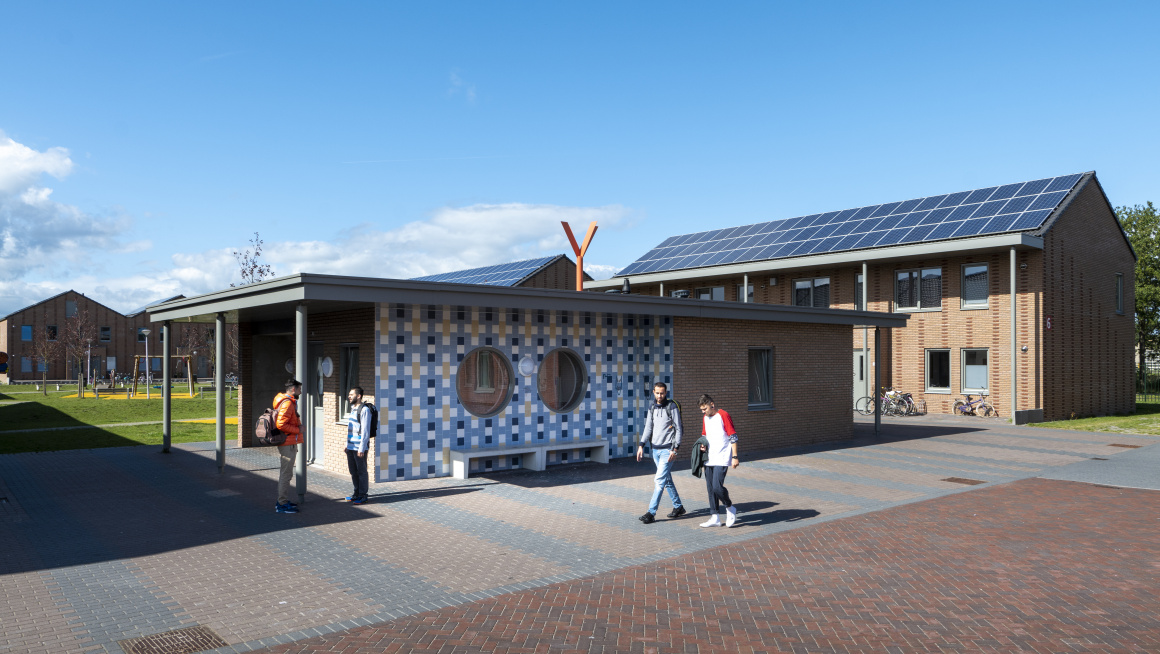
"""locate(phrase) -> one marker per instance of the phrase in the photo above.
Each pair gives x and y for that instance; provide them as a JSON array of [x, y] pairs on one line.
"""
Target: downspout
[[1014, 366], [745, 289]]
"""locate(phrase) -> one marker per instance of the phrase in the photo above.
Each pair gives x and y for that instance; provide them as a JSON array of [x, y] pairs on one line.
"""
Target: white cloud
[[459, 85], [21, 166]]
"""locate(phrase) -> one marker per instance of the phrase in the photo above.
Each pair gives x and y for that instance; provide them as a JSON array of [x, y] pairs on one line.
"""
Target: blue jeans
[[663, 480]]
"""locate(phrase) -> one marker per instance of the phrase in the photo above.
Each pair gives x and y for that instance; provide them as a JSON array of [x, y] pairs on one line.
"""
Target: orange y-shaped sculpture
[[580, 250]]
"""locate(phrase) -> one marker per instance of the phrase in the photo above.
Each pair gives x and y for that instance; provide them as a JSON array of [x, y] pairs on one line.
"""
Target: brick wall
[[811, 387], [1088, 353]]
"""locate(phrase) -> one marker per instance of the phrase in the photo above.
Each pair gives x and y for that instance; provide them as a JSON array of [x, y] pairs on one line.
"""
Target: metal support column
[[877, 381], [866, 333], [300, 375], [662, 289], [745, 289], [166, 391], [219, 387], [1014, 352]]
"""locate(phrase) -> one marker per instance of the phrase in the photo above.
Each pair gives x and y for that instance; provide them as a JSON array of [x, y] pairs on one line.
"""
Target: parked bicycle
[[980, 407], [892, 403]]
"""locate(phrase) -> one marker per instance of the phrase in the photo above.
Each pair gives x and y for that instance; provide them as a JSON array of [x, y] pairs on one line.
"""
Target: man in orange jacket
[[286, 420]]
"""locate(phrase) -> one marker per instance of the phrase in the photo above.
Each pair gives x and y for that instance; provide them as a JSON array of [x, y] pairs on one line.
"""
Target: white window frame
[[976, 304], [926, 371], [768, 374], [918, 296], [1120, 293], [813, 282], [975, 390]]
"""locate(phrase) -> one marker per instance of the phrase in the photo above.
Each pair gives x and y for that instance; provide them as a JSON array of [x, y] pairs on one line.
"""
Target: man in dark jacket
[[662, 431]]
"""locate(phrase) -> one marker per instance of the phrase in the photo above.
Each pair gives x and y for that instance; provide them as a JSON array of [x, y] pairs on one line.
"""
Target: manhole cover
[[1131, 447], [178, 641], [961, 480]]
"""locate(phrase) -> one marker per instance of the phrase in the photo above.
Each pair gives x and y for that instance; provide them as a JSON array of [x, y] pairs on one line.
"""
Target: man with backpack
[[662, 430], [361, 425], [286, 421]]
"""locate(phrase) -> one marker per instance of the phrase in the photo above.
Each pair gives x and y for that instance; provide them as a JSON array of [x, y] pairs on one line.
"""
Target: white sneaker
[[712, 522], [730, 516]]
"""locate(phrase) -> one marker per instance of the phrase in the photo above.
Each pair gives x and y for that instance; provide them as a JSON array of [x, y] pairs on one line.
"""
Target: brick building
[[1025, 286], [116, 339], [483, 369]]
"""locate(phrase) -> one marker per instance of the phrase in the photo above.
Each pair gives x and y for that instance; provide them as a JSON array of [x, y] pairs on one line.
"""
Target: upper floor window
[[141, 337], [859, 305], [711, 293], [974, 295], [106, 334], [744, 294], [1119, 292], [70, 308], [812, 292], [26, 332], [51, 331], [915, 290]]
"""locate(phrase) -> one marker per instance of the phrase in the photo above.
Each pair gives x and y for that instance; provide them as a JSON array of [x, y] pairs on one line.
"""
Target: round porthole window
[[562, 380], [484, 382]]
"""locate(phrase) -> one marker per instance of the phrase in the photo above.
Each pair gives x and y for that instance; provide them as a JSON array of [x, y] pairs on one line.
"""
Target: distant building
[[1065, 343], [117, 338]]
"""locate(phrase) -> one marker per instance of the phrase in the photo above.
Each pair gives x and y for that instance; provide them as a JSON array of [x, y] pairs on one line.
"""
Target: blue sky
[[141, 142]]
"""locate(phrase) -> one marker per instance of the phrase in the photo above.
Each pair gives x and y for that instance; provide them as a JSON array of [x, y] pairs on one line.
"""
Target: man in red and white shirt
[[720, 455]]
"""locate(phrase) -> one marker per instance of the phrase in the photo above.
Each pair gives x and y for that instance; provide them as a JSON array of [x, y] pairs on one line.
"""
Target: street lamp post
[[89, 361], [148, 384]]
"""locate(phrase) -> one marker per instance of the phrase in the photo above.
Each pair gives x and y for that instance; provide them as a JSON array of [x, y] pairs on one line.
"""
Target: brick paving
[[854, 546]]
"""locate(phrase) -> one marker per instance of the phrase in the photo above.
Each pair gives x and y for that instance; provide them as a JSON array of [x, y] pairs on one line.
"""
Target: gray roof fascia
[[910, 251], [333, 288]]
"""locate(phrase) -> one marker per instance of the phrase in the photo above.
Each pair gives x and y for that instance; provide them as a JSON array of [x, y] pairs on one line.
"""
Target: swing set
[[187, 358]]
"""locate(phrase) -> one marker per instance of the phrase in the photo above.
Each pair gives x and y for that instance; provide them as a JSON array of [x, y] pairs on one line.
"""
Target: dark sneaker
[[359, 500], [286, 508], [677, 512], [648, 518]]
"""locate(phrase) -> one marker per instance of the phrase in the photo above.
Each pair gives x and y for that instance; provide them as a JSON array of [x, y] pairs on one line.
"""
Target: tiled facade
[[421, 346]]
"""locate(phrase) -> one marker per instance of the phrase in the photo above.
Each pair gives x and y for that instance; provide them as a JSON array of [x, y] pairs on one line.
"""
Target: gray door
[[861, 376], [314, 411]]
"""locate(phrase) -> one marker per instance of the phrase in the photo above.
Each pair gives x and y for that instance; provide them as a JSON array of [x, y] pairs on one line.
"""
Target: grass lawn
[[37, 411], [76, 439], [1146, 420]]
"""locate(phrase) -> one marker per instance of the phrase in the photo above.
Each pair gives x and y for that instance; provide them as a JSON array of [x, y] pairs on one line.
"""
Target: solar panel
[[1011, 207], [509, 274]]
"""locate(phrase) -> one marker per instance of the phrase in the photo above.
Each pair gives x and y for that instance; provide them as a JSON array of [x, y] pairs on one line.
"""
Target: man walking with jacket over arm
[[662, 430]]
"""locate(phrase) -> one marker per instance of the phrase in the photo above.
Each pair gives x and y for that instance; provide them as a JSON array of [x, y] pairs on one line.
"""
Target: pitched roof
[[504, 274], [1018, 207]]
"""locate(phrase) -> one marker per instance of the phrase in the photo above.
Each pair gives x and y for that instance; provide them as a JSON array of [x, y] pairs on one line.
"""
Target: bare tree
[[77, 336], [193, 339], [45, 351], [253, 271]]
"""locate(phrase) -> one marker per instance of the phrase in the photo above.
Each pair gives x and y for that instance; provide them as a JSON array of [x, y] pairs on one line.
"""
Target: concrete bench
[[532, 457]]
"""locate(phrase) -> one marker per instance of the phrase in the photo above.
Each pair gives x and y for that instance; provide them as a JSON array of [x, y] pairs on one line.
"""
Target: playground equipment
[[137, 374]]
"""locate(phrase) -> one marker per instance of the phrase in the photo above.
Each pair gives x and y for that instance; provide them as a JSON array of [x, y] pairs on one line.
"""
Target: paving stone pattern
[[111, 544]]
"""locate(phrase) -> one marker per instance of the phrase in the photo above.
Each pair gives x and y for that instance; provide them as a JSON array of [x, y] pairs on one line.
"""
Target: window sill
[[972, 307], [938, 391], [760, 408], [918, 310], [981, 392]]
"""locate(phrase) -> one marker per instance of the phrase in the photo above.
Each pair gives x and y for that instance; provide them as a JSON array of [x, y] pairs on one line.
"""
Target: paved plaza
[[945, 534]]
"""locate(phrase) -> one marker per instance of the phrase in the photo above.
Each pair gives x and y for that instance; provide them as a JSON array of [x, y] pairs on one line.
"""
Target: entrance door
[[861, 376], [314, 411]]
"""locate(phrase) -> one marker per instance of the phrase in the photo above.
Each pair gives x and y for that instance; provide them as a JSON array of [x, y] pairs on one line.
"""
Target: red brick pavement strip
[[1034, 565]]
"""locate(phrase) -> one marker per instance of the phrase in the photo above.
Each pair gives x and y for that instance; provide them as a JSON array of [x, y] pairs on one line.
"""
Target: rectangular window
[[483, 381], [40, 365], [917, 290], [110, 363], [348, 377], [975, 371], [70, 308], [1119, 292], [812, 292], [26, 332], [713, 293], [155, 363], [938, 371], [760, 377], [974, 295], [106, 334], [744, 295], [141, 337], [25, 364], [51, 329], [858, 304]]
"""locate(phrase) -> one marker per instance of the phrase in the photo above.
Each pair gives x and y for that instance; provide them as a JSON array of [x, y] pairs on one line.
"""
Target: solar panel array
[[504, 274], [1009, 208]]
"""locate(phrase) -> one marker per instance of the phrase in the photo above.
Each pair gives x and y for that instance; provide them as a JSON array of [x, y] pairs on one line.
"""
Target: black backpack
[[266, 430], [374, 429]]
